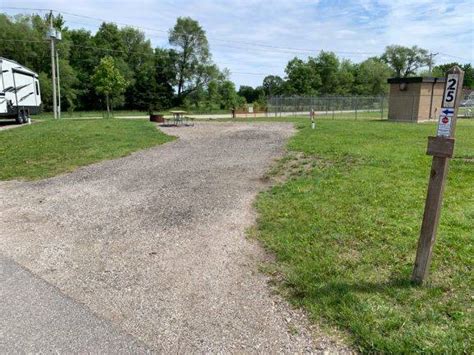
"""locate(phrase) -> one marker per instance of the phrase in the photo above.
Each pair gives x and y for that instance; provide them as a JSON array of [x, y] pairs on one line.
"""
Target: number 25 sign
[[450, 93]]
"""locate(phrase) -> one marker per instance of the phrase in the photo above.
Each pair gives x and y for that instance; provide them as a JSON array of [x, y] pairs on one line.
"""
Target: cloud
[[255, 37]]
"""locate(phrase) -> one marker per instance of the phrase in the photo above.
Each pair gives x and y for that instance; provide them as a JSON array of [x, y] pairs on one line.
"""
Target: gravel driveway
[[155, 242]]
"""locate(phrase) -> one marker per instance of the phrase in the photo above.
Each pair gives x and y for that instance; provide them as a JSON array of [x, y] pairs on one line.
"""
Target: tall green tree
[[193, 66], [247, 92], [108, 80], [165, 78], [302, 78], [405, 61], [345, 77], [272, 85], [326, 64], [142, 90], [84, 58], [371, 77], [228, 95]]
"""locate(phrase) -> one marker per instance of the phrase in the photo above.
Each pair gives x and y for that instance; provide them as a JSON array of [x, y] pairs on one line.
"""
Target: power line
[[23, 40], [453, 56], [74, 45], [253, 44], [23, 8], [121, 51], [247, 73], [256, 44]]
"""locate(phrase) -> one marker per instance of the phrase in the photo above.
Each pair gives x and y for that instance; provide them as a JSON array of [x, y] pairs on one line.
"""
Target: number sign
[[451, 90]]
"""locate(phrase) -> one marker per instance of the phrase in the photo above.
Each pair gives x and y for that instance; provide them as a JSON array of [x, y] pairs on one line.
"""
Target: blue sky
[[254, 38]]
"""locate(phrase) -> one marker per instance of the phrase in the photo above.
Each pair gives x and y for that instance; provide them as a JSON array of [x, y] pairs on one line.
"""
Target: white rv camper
[[20, 94]]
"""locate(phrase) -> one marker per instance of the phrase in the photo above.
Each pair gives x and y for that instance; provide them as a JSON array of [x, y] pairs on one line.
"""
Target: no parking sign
[[445, 122]]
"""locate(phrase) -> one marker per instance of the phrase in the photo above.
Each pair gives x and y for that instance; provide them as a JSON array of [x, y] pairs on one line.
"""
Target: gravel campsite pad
[[155, 242]]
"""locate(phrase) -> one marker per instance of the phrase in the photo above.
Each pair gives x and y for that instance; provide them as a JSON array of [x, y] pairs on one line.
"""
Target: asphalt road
[[37, 317], [152, 245]]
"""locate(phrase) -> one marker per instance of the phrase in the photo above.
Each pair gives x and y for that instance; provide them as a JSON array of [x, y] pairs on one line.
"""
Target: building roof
[[416, 79]]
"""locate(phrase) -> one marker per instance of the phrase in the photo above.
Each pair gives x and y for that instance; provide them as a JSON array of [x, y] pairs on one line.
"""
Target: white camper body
[[20, 94]]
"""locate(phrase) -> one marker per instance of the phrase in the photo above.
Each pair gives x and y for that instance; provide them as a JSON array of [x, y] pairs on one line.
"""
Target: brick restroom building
[[415, 99]]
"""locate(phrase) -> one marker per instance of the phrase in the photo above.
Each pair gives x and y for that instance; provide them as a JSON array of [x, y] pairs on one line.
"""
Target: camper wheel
[[26, 116], [19, 118]]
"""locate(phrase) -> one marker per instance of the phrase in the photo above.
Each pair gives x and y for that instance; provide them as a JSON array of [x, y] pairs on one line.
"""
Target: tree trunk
[[108, 105], [180, 85], [182, 67]]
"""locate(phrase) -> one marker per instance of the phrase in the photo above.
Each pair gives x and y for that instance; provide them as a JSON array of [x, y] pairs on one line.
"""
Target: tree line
[[326, 74], [118, 67]]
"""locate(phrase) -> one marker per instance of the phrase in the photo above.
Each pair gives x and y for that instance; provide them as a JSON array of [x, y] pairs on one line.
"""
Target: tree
[[83, 58], [247, 92], [326, 64], [165, 77], [193, 57], [302, 78], [46, 91], [371, 78], [108, 80], [68, 85], [272, 85], [405, 61], [228, 95], [440, 71], [140, 60], [345, 77]]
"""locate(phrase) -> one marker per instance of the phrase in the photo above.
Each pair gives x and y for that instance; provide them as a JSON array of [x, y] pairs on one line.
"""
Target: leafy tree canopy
[[405, 61]]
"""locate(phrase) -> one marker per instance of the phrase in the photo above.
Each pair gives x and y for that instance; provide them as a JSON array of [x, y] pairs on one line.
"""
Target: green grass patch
[[124, 113], [289, 117], [52, 147], [92, 114], [345, 234]]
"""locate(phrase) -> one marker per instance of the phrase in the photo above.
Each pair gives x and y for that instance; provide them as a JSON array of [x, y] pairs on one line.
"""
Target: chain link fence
[[407, 107], [329, 106], [466, 108]]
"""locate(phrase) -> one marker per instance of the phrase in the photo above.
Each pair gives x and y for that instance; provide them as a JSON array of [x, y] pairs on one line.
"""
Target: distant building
[[415, 99]]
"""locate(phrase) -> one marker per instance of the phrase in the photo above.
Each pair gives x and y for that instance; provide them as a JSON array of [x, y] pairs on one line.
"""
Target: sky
[[255, 38]]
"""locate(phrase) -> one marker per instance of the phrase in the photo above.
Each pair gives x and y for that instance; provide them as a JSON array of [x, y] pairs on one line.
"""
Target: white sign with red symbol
[[445, 120]]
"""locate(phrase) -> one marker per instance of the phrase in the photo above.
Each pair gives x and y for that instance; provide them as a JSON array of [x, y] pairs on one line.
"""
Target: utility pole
[[53, 66], [430, 64], [59, 86]]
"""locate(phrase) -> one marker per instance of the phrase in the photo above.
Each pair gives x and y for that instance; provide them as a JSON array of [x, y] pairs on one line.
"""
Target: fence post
[[356, 98], [333, 109], [381, 107]]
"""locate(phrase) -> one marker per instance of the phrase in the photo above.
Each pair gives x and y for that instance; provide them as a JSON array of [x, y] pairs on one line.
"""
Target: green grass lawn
[[52, 147], [91, 114], [344, 229], [121, 113]]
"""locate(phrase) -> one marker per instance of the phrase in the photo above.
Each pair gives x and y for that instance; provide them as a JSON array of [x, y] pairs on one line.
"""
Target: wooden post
[[381, 107], [441, 148], [356, 101]]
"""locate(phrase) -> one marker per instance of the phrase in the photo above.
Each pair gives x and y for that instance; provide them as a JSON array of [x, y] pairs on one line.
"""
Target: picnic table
[[180, 118]]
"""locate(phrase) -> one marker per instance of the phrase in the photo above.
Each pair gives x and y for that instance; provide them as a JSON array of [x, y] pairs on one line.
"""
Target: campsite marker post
[[441, 148]]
